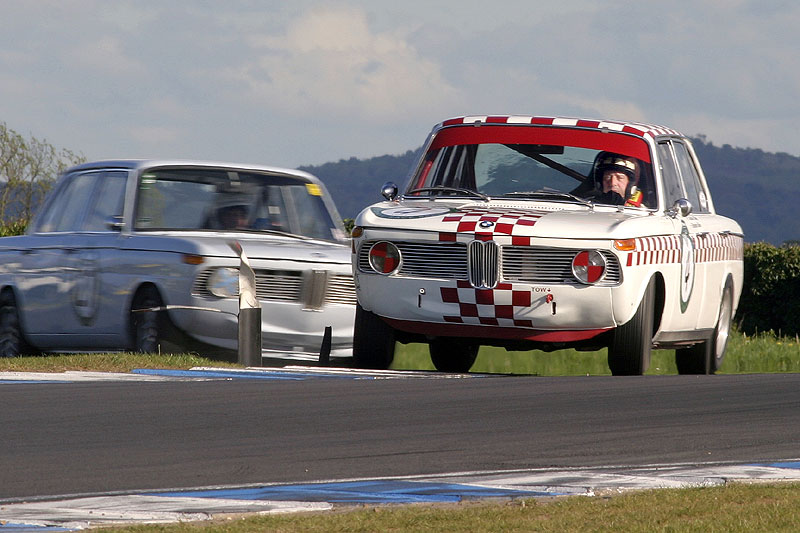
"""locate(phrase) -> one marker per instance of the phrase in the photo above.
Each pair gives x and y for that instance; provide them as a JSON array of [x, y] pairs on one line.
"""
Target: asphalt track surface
[[78, 438]]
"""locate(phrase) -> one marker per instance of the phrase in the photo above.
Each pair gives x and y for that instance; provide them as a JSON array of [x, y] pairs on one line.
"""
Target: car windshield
[[526, 162], [205, 199]]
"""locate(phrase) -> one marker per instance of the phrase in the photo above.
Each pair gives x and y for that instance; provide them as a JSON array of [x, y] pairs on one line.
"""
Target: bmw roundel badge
[[486, 224]]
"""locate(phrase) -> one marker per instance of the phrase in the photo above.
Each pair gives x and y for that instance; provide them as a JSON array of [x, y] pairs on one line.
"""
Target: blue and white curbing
[[81, 512]]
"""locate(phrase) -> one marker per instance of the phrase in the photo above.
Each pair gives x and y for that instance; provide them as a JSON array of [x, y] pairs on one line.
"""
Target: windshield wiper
[[442, 188], [546, 194]]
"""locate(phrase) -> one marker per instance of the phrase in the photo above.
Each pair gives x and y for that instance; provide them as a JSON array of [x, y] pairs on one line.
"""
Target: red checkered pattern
[[656, 250], [635, 128], [667, 249], [488, 307], [511, 223], [717, 247]]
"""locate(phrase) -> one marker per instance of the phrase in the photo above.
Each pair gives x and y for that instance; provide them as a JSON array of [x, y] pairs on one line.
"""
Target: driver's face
[[615, 180], [233, 217]]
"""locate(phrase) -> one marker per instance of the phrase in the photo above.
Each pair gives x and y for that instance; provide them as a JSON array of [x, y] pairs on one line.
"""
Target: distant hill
[[760, 190]]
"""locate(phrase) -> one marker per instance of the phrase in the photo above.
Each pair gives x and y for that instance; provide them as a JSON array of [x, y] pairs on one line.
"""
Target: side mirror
[[682, 207], [389, 190]]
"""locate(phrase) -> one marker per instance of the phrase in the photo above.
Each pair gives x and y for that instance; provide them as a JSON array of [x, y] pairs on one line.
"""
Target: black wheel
[[632, 342], [706, 357], [12, 339], [453, 355], [373, 341], [147, 327]]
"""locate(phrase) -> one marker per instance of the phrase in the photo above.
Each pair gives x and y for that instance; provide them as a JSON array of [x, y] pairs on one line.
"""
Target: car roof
[[635, 128], [138, 164]]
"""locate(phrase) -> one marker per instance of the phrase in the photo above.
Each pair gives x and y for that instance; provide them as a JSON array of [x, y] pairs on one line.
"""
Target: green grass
[[735, 508], [763, 353], [758, 354], [105, 362]]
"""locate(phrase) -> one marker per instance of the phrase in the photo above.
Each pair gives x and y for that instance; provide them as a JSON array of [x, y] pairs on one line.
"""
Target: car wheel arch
[[10, 297], [660, 300], [139, 299]]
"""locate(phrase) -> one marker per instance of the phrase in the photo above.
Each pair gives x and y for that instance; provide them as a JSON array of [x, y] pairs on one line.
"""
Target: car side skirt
[[673, 339]]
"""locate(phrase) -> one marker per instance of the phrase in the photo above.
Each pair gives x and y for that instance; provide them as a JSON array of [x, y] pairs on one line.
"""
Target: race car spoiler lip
[[494, 332]]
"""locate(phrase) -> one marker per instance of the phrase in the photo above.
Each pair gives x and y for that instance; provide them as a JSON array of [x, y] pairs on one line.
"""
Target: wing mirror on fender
[[389, 190], [682, 207]]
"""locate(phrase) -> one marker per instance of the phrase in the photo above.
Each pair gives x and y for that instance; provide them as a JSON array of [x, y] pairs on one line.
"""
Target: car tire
[[452, 355], [632, 342], [147, 327], [12, 338], [373, 341], [706, 357]]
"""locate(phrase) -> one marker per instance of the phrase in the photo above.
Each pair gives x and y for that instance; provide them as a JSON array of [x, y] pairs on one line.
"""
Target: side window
[[65, 211], [669, 173], [691, 179], [107, 202]]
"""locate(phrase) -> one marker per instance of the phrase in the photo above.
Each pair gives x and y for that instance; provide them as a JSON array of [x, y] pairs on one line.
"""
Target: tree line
[[28, 169]]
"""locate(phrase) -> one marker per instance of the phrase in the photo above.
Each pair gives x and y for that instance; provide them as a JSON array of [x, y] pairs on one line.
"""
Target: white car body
[[465, 270]]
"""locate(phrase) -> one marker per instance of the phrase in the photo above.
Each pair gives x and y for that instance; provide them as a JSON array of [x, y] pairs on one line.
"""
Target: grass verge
[[106, 362], [763, 353], [733, 508]]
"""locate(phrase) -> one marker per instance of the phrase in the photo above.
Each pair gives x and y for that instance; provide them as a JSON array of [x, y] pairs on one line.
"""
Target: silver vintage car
[[116, 237]]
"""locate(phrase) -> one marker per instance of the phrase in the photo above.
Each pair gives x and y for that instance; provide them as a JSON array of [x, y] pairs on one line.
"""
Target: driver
[[618, 176], [232, 212], [233, 217]]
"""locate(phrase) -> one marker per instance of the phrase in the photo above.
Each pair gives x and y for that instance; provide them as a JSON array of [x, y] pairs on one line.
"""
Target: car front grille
[[534, 264], [425, 260], [482, 264], [529, 264], [314, 288]]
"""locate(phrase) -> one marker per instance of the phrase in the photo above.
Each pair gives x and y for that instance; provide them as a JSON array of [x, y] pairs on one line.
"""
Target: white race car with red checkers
[[542, 233]]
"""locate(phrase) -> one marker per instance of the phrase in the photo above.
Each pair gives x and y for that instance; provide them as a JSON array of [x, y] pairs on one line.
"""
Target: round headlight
[[224, 283], [589, 266], [384, 257]]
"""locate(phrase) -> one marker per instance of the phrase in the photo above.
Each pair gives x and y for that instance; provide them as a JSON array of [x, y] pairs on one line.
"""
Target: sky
[[305, 82]]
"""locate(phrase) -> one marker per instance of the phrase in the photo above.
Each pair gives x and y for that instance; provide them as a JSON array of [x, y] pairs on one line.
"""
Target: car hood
[[256, 247], [531, 219]]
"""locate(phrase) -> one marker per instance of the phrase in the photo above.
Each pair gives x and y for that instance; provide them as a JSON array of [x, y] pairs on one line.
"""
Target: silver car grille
[[534, 264], [425, 260], [482, 264], [529, 264], [313, 288]]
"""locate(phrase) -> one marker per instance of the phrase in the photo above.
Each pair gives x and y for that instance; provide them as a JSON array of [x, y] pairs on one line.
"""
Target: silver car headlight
[[224, 283]]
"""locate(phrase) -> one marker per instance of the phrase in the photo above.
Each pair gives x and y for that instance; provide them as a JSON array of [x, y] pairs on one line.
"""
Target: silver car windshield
[[203, 199]]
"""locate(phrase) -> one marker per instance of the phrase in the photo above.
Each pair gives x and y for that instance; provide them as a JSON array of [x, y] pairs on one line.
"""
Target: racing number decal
[[687, 268]]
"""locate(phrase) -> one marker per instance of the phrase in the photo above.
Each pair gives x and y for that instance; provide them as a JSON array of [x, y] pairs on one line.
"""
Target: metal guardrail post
[[325, 348], [249, 312]]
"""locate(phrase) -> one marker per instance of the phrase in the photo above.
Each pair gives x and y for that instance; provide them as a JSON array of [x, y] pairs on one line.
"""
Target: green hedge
[[771, 290]]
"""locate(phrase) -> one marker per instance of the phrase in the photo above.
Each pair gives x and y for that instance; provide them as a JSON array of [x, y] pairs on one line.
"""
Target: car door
[[680, 182], [710, 233], [48, 278], [98, 296], [684, 294]]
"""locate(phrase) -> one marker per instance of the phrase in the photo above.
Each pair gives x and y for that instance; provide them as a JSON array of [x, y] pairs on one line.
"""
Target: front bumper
[[547, 313]]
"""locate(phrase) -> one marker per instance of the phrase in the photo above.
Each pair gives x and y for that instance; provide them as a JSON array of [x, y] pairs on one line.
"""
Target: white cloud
[[329, 61], [311, 81], [104, 55]]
